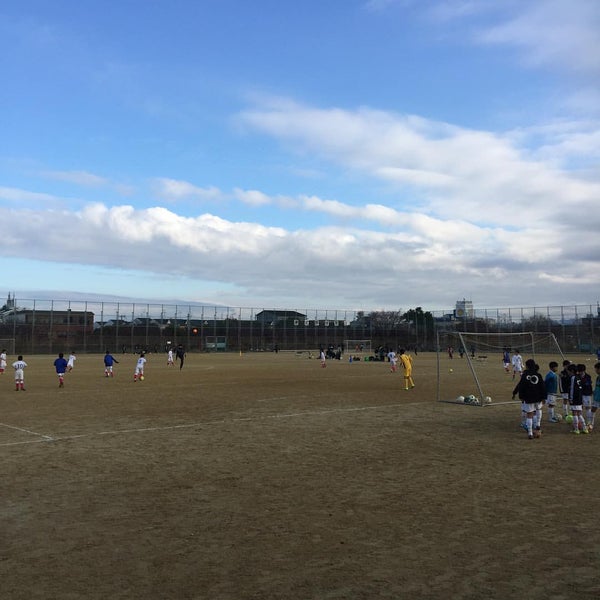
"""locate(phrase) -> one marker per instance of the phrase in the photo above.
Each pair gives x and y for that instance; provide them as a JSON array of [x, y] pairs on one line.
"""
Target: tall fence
[[50, 326]]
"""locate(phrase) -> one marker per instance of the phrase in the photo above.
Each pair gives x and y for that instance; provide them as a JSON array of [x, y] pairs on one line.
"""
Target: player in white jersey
[[2, 361], [322, 358], [19, 367], [393, 360], [139, 368], [517, 365], [71, 361], [170, 358]]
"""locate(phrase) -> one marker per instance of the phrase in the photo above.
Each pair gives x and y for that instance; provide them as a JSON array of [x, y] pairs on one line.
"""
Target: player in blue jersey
[[552, 388], [60, 364], [109, 360]]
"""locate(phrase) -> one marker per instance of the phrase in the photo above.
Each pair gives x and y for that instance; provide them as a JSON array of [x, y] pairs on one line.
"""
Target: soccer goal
[[357, 346], [470, 366], [8, 344]]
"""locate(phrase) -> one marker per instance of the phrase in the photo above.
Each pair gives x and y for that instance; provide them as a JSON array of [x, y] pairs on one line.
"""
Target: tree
[[537, 323], [423, 323]]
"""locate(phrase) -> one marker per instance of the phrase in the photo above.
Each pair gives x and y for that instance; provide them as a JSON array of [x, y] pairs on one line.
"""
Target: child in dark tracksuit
[[532, 393]]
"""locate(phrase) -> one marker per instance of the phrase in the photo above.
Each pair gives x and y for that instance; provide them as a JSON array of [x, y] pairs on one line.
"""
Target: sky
[[359, 154]]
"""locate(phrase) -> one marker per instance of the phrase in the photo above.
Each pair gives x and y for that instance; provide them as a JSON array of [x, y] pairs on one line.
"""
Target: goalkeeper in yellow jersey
[[406, 361]]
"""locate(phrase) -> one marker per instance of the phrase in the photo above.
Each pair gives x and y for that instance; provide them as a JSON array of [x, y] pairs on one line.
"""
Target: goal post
[[470, 366], [357, 346]]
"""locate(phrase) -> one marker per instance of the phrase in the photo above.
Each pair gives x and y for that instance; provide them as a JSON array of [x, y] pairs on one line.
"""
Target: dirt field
[[264, 476]]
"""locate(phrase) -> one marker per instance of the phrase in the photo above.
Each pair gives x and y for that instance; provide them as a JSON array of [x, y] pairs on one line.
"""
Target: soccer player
[[170, 357], [71, 361], [406, 361], [109, 360], [322, 358], [551, 383], [596, 398], [180, 355], [587, 391], [506, 360], [19, 367], [139, 367], [2, 361], [575, 393], [517, 364], [564, 380], [393, 360], [532, 392], [60, 364]]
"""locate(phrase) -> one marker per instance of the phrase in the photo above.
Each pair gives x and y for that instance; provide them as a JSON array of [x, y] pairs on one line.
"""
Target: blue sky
[[338, 153]]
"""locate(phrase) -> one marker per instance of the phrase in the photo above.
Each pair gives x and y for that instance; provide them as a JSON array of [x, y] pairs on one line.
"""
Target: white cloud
[[252, 197], [551, 33], [450, 171], [78, 177], [174, 189], [422, 256], [18, 195]]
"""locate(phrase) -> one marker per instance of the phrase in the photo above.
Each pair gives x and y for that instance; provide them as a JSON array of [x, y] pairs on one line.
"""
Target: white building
[[464, 309]]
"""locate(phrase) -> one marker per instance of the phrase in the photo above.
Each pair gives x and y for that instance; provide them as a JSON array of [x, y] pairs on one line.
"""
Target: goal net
[[471, 366], [7, 344], [357, 346]]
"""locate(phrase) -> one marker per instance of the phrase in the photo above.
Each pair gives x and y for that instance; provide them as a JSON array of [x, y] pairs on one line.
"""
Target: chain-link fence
[[49, 326]]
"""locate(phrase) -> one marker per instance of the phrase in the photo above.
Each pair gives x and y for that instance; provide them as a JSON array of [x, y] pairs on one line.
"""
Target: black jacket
[[531, 387]]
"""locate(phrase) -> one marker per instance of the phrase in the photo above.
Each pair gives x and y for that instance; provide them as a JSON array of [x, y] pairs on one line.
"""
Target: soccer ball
[[559, 418], [471, 399], [141, 378], [488, 399], [460, 399], [569, 418], [450, 370], [475, 401]]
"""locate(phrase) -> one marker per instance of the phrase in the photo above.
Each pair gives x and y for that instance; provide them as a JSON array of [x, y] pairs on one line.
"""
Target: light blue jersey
[[551, 382]]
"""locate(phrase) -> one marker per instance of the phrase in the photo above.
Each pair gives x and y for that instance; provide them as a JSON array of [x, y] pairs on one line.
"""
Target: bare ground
[[264, 476]]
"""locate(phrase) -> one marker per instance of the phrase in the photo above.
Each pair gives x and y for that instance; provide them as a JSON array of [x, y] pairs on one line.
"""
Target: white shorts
[[19, 374], [576, 407], [529, 407], [551, 399], [139, 371], [586, 401]]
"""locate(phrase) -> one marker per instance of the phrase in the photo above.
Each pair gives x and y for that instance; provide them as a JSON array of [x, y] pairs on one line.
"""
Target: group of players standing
[[572, 387]]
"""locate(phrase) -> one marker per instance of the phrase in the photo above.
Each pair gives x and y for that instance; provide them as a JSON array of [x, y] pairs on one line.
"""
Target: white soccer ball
[[475, 401], [488, 399], [559, 418], [460, 399], [471, 399]]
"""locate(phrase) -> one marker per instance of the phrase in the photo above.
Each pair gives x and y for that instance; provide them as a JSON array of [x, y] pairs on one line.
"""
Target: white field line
[[47, 438], [41, 437]]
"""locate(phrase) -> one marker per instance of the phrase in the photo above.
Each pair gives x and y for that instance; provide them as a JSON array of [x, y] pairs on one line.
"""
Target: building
[[272, 317], [464, 309]]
